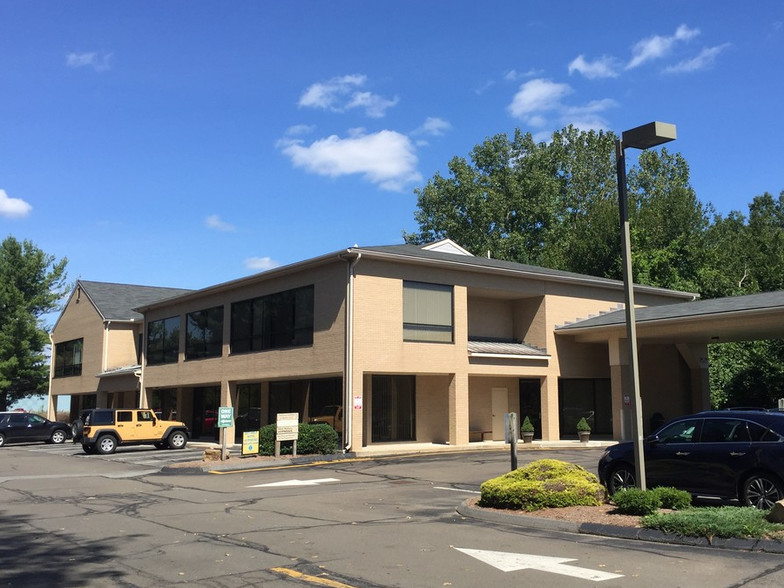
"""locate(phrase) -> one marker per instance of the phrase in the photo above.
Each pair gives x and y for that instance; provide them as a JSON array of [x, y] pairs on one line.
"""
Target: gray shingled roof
[[697, 308], [414, 251], [117, 301]]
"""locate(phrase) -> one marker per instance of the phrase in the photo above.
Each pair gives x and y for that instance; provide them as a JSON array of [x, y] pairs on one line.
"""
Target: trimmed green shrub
[[673, 498], [527, 426], [317, 439], [582, 425], [722, 521], [547, 483], [634, 501], [320, 439]]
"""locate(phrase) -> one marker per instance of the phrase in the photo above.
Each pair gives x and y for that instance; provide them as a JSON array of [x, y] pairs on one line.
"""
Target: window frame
[[280, 320], [417, 330], [167, 350], [209, 342], [65, 351]]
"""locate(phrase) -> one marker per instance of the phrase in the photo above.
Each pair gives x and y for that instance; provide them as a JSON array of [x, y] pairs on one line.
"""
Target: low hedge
[[320, 439], [546, 483], [634, 501]]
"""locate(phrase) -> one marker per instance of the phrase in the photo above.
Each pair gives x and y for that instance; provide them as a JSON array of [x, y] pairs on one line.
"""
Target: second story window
[[68, 358], [204, 333], [163, 340], [275, 321], [427, 312]]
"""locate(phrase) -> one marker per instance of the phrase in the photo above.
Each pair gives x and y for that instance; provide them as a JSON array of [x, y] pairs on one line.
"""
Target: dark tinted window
[[100, 417], [204, 333], [724, 430], [763, 434], [163, 340], [680, 432], [275, 321], [68, 358], [124, 416]]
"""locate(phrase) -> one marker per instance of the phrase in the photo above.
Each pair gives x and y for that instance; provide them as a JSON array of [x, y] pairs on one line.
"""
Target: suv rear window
[[100, 417]]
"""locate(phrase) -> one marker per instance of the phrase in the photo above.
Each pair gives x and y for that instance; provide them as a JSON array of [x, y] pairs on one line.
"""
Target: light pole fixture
[[642, 137]]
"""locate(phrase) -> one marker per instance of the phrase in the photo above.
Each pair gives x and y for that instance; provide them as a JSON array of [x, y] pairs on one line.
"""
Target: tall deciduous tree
[[31, 285], [556, 205]]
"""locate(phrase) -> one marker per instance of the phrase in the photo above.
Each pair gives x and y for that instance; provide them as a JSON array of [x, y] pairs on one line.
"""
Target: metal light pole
[[642, 137]]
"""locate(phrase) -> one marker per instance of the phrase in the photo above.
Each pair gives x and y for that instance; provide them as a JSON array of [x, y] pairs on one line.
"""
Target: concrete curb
[[469, 510]]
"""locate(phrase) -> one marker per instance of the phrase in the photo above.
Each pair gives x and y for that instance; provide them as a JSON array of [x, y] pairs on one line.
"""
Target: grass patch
[[723, 521]]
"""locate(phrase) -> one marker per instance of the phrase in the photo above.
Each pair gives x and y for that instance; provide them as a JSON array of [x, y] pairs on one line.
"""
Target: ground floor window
[[589, 398], [206, 401], [531, 404], [164, 404], [248, 410], [393, 408]]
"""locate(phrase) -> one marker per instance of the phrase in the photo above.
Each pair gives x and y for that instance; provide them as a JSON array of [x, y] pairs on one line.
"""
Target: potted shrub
[[583, 430], [527, 430]]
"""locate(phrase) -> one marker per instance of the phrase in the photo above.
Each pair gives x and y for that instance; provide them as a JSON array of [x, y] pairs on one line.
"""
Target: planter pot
[[528, 437], [584, 436]]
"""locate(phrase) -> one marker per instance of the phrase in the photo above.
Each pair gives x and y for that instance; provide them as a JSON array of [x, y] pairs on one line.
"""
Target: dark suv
[[26, 426], [107, 428], [728, 454]]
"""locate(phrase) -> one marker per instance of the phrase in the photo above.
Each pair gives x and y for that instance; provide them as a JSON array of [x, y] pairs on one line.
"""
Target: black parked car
[[26, 426], [724, 454]]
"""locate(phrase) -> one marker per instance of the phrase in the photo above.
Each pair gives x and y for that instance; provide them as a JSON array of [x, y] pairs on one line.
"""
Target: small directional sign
[[512, 562], [286, 483]]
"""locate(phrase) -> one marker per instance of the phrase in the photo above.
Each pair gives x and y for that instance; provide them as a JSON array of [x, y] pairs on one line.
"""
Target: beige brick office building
[[425, 344]]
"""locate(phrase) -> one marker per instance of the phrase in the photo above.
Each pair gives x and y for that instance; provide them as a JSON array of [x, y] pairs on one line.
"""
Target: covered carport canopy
[[717, 320], [686, 328]]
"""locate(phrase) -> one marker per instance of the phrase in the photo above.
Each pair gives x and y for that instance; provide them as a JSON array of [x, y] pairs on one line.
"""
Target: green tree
[[556, 205], [31, 285]]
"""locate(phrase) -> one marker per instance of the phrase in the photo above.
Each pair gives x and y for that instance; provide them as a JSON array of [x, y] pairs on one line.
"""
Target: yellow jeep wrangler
[[107, 428]]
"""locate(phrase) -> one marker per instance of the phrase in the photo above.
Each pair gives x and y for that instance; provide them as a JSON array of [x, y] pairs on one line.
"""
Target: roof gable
[[117, 301]]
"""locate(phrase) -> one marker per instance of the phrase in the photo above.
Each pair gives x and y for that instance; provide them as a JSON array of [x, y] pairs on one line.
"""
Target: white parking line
[[456, 490]]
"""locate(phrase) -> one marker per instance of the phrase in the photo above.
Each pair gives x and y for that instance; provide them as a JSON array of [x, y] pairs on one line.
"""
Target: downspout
[[348, 367], [105, 355], [51, 412]]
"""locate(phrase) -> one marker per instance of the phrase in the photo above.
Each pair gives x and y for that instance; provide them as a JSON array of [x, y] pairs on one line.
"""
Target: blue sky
[[189, 143]]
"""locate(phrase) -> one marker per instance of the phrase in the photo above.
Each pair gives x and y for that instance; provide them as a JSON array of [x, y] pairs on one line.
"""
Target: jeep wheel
[[106, 444], [177, 440], [2, 439], [58, 437]]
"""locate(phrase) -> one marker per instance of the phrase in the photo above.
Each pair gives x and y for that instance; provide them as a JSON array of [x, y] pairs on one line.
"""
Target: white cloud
[[343, 93], [98, 61], [704, 60], [260, 263], [658, 46], [299, 130], [375, 106], [13, 207], [214, 222], [539, 103], [513, 75], [604, 67], [588, 116], [386, 158], [537, 96], [433, 126]]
